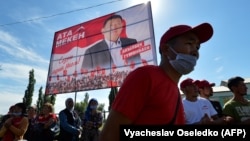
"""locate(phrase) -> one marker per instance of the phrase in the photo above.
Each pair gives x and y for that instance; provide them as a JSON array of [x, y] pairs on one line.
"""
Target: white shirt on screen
[[115, 50]]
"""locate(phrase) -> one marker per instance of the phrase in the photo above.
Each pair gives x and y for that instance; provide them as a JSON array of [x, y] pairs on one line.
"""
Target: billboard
[[100, 53]]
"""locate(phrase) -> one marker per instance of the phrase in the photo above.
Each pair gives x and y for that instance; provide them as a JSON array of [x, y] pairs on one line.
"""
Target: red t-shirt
[[149, 96], [9, 136], [43, 119]]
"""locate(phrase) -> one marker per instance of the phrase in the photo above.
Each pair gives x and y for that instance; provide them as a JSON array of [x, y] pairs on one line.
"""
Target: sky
[[27, 30]]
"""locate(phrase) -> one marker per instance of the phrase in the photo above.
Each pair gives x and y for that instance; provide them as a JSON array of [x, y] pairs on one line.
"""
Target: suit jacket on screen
[[99, 55]]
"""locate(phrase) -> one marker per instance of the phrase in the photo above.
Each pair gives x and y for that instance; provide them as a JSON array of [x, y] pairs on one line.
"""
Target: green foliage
[[27, 99], [81, 107], [101, 107], [112, 95], [86, 99], [40, 100], [53, 99]]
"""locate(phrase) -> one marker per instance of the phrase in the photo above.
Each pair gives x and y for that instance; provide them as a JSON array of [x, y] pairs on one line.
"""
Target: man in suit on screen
[[107, 52]]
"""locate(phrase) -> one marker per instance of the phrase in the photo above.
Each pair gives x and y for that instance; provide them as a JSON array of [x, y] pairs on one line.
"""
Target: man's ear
[[234, 88], [165, 49]]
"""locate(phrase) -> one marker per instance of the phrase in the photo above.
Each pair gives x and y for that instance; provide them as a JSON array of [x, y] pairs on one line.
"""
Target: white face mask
[[183, 63]]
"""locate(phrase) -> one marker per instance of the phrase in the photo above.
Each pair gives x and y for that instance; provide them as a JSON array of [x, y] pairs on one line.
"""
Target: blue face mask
[[183, 63], [17, 113], [93, 107]]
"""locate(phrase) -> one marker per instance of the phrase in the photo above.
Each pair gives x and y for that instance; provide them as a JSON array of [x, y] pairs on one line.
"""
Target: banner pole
[[75, 99]]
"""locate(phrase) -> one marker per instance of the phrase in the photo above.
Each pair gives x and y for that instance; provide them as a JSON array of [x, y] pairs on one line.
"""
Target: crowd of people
[[26, 123], [22, 123], [149, 95], [199, 109], [88, 82]]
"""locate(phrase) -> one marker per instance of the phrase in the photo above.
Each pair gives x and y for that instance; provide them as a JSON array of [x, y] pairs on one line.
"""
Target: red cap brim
[[203, 31]]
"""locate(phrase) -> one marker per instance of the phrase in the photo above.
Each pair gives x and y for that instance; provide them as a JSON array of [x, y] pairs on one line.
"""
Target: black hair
[[112, 17], [91, 100], [22, 106], [88, 110], [234, 81]]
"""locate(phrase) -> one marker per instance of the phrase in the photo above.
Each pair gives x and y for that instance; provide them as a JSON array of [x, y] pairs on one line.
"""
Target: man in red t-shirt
[[150, 95]]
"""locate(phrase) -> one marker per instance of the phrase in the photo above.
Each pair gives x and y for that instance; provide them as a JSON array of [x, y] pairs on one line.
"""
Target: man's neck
[[240, 99], [192, 98], [170, 71], [204, 96]]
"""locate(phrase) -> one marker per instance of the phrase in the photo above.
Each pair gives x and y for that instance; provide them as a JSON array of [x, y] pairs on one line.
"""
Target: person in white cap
[[70, 123], [149, 94]]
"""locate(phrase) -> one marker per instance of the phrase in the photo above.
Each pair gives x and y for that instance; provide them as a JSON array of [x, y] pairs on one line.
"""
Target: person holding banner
[[150, 95], [107, 53]]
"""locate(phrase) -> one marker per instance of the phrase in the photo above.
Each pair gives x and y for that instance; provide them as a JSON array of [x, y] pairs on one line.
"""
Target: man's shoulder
[[63, 110], [202, 99], [230, 103], [98, 43], [147, 69], [152, 72], [98, 46], [214, 101], [128, 41]]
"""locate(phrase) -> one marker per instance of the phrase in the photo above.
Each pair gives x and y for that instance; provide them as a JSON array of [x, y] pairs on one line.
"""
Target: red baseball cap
[[204, 83], [203, 31], [187, 82]]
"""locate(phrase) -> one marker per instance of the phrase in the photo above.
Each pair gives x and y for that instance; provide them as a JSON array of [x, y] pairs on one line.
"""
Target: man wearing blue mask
[[150, 94]]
